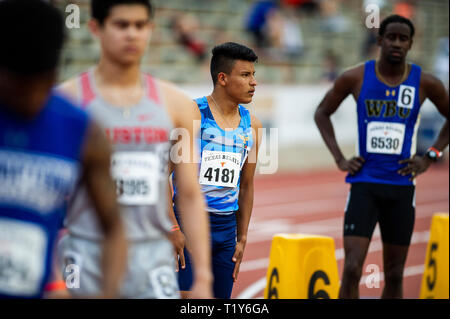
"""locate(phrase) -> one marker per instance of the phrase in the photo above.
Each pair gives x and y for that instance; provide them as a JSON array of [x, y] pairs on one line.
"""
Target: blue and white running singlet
[[388, 118]]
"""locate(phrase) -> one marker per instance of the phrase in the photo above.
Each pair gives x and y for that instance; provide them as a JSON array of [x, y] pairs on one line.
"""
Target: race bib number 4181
[[385, 138], [220, 168]]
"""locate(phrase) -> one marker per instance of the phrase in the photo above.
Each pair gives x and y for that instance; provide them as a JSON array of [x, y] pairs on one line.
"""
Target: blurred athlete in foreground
[[138, 113], [389, 93], [47, 146]]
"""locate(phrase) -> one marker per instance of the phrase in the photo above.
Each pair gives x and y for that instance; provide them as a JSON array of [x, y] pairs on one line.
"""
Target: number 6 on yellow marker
[[302, 267]]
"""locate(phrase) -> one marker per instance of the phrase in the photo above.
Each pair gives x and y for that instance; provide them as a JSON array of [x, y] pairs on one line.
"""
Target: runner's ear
[[222, 79], [94, 27]]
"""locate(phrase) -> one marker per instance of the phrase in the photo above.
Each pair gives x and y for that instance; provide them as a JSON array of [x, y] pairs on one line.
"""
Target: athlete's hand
[[415, 166], [237, 258], [352, 165], [178, 241]]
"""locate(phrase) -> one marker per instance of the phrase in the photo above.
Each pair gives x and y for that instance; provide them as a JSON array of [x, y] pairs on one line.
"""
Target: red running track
[[313, 203]]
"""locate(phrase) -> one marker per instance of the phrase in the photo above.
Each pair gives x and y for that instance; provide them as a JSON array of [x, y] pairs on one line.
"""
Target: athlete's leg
[[355, 249], [394, 258], [185, 278], [361, 216], [223, 235], [223, 268], [396, 227]]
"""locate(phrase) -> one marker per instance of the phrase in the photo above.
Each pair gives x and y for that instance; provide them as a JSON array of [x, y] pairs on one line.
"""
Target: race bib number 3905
[[220, 168], [136, 175], [385, 138]]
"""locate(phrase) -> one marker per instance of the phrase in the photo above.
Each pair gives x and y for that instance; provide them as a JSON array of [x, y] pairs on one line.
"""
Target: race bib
[[23, 249], [385, 138], [164, 282], [220, 168], [406, 96], [136, 175]]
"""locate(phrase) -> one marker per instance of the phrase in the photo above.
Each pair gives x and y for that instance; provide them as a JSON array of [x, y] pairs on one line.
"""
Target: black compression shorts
[[393, 206]]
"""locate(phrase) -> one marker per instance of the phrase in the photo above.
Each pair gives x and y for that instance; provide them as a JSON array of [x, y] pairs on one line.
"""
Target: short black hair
[[395, 18], [100, 9], [225, 55], [32, 36]]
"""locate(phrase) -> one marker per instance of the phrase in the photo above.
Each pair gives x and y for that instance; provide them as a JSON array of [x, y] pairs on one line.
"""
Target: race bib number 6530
[[385, 137]]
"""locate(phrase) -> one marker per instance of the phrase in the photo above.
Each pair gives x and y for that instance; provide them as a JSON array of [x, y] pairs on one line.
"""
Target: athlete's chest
[[223, 155], [141, 126], [214, 138], [399, 103], [388, 117]]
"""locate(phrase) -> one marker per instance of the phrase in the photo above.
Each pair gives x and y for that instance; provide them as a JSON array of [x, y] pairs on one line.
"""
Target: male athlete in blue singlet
[[389, 93], [229, 145], [47, 146]]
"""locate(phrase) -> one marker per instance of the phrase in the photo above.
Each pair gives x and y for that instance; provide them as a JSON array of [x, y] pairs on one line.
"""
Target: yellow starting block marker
[[435, 277], [302, 267]]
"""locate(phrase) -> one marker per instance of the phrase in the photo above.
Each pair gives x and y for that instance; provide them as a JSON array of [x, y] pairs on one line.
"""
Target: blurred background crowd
[[300, 43]]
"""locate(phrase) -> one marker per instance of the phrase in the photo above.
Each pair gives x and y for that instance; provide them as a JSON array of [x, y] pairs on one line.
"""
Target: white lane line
[[259, 285], [299, 194], [253, 289], [306, 207], [263, 230], [408, 272], [375, 245], [314, 207]]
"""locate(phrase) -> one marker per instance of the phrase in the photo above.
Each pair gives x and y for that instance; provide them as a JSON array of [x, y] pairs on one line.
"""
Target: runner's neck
[[228, 108], [113, 74], [390, 70]]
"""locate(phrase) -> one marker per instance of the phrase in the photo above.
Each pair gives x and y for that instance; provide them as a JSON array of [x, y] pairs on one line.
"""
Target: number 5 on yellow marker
[[435, 277]]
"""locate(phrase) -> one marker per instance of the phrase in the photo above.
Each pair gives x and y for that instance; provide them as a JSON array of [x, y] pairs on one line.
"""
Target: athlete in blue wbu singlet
[[388, 93], [387, 126], [228, 146]]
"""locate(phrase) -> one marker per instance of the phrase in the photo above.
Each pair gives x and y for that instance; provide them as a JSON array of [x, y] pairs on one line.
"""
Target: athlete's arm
[[56, 286], [432, 88], [436, 92], [347, 83], [101, 189], [184, 112], [69, 89], [246, 195], [176, 237]]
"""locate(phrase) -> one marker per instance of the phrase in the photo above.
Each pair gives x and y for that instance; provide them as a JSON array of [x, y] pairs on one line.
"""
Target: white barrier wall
[[291, 110]]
